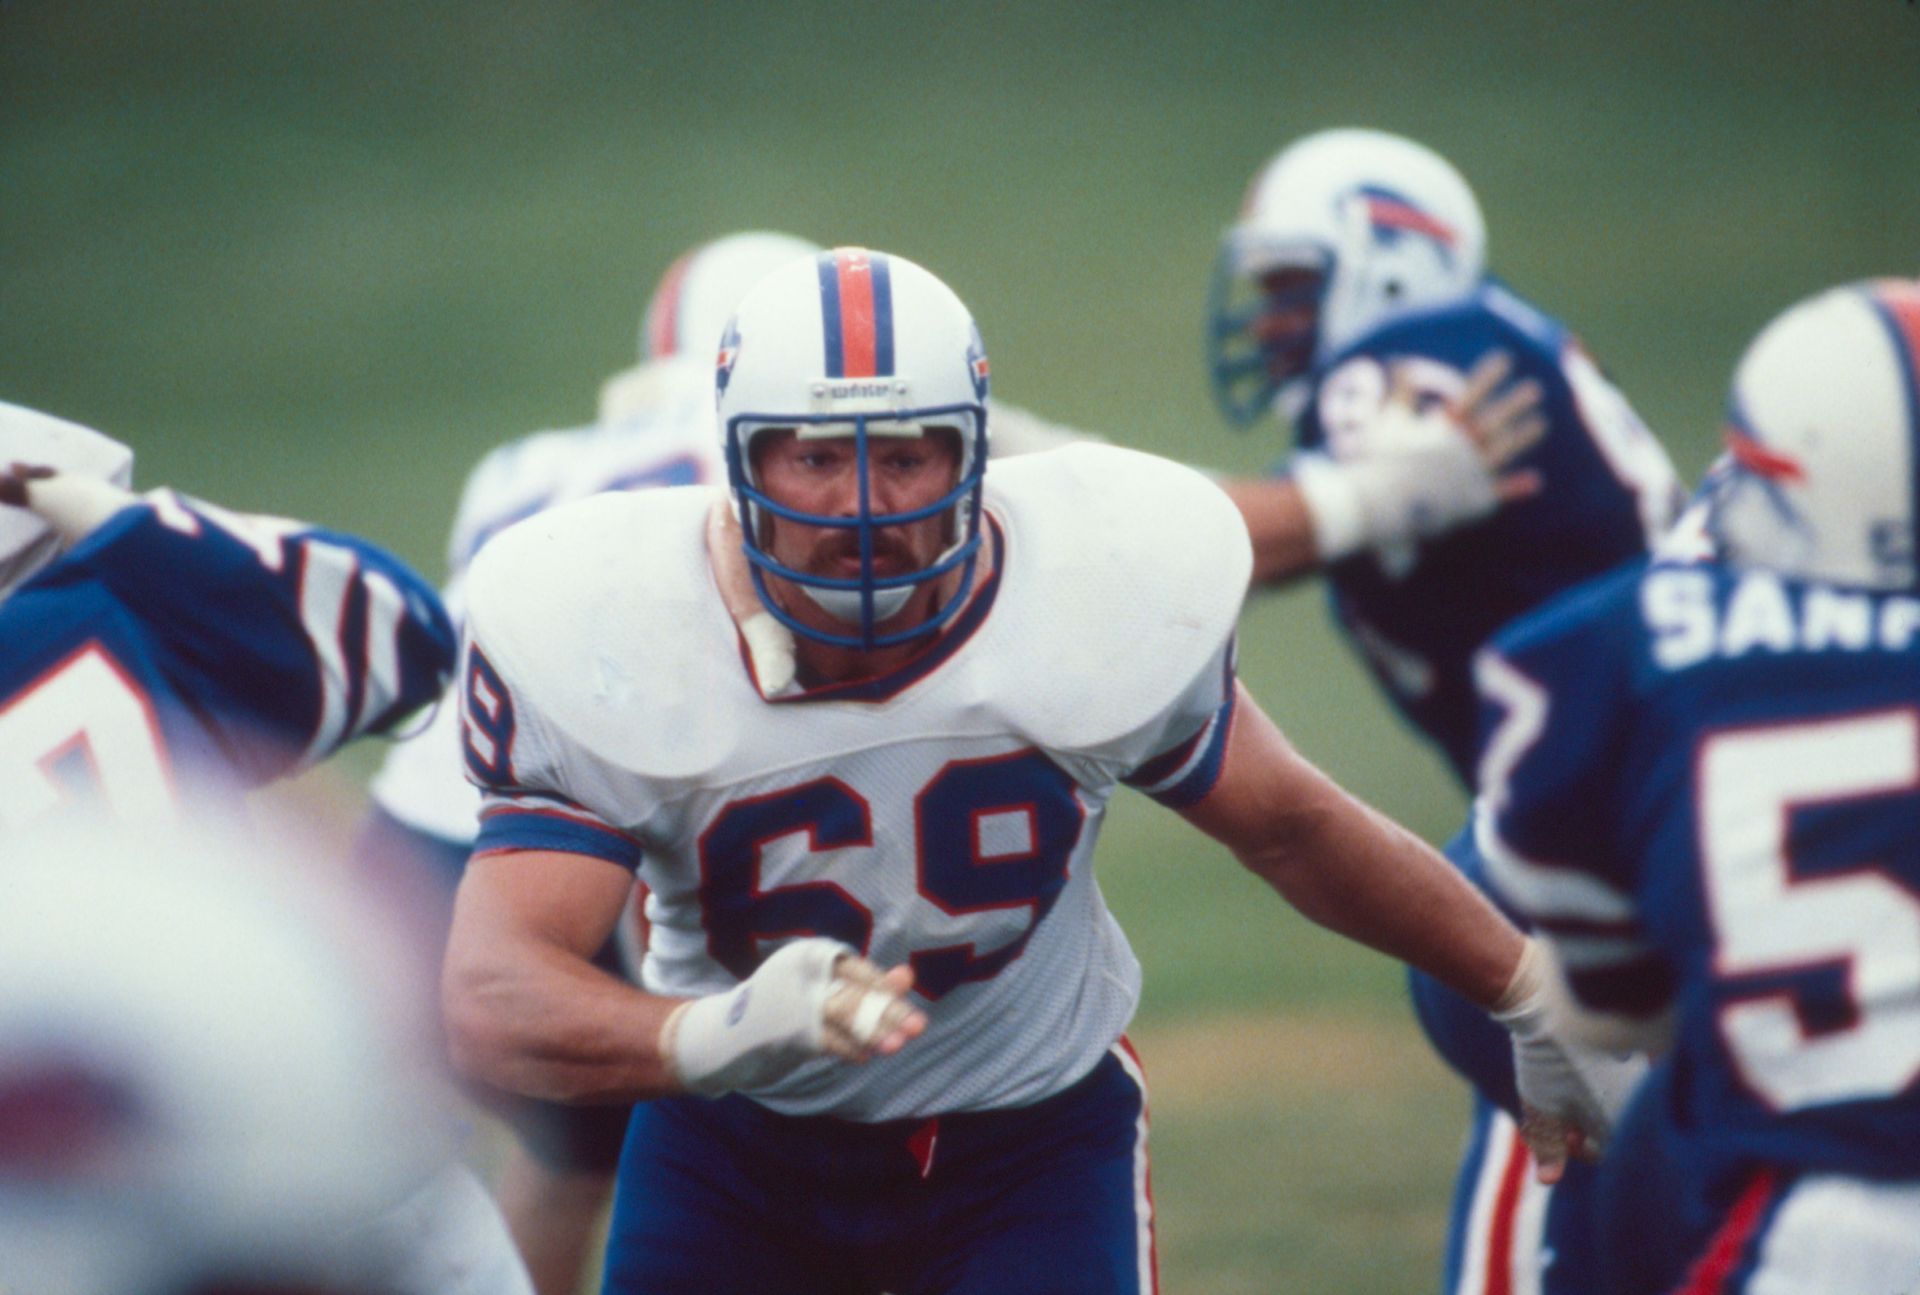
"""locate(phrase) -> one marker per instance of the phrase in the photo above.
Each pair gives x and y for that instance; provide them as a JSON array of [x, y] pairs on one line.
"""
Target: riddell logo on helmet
[[844, 395]]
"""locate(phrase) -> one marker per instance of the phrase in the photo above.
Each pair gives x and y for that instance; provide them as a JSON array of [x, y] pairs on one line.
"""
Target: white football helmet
[[1821, 468], [862, 344], [1340, 231], [683, 319], [202, 1073], [698, 293], [27, 541]]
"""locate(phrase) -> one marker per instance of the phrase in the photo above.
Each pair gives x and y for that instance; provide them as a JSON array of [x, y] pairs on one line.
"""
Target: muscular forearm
[[525, 1009], [557, 1028], [1352, 870]]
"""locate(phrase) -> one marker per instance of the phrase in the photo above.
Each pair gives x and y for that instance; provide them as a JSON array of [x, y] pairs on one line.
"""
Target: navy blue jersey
[[1704, 785], [180, 647], [1418, 614]]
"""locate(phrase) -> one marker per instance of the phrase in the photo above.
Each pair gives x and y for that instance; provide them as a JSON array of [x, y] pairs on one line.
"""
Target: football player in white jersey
[[655, 427], [856, 722]]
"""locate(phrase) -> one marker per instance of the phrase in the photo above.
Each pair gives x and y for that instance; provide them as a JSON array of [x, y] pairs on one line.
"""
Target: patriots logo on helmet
[[1393, 215], [723, 363], [977, 365]]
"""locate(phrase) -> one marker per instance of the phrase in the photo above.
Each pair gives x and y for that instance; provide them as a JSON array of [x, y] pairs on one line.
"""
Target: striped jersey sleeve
[[1188, 749], [524, 803], [287, 639]]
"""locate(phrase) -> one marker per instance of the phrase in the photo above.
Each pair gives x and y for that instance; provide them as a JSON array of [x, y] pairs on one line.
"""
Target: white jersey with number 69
[[941, 816]]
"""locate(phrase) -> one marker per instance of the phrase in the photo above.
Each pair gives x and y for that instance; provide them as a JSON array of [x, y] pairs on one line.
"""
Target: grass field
[[315, 258]]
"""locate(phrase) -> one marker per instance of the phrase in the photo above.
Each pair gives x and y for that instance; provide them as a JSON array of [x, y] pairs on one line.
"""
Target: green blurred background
[[316, 258]]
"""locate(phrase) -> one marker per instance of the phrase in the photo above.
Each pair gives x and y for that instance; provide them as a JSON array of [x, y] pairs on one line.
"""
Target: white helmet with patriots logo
[[1822, 468], [862, 344], [1340, 231]]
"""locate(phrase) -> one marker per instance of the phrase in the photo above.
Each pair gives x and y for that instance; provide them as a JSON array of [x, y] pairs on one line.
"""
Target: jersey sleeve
[[1186, 747], [288, 639], [1555, 693], [520, 768]]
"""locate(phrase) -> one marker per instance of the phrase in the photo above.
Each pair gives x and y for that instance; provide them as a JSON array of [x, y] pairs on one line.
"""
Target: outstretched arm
[[1349, 868]]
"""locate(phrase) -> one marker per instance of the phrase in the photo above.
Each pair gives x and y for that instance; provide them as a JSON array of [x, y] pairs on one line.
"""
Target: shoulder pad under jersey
[[602, 619], [1125, 575]]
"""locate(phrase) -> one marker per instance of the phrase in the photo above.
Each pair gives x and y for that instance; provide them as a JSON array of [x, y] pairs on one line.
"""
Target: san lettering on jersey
[[1418, 615], [1704, 783], [181, 646], [942, 816]]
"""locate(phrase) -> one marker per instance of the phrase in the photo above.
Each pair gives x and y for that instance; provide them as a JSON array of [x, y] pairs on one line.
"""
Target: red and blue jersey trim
[[552, 823], [856, 310], [1732, 1253], [1188, 772]]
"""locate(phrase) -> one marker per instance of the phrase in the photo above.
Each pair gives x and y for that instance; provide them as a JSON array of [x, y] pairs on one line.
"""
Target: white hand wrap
[[1582, 1086], [762, 1029], [1419, 476]]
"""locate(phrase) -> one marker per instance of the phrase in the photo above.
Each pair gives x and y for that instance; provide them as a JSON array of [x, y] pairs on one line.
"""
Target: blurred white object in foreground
[[202, 1069]]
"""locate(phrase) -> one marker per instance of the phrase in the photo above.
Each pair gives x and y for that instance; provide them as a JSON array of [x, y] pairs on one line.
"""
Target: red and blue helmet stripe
[[856, 311], [662, 329], [1897, 303]]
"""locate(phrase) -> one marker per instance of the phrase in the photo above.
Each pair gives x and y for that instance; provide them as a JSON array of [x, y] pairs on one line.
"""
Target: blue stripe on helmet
[[882, 316], [830, 315]]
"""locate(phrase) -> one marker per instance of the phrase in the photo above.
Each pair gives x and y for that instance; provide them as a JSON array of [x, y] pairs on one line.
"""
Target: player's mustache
[[885, 547]]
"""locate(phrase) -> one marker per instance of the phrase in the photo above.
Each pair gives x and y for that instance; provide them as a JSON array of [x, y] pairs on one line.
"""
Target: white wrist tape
[[1525, 996], [1415, 475], [759, 1031], [1581, 1085], [1333, 506]]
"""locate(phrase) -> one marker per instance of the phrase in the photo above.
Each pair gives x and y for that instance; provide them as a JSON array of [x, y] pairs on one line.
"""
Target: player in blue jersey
[[159, 656], [1702, 782], [865, 708], [156, 648], [1357, 268]]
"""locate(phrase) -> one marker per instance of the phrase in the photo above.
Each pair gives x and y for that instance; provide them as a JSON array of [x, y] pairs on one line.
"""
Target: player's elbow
[[483, 1040], [1287, 852]]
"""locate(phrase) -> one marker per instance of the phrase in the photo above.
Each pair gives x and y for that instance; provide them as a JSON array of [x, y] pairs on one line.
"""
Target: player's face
[[1290, 314], [822, 477]]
